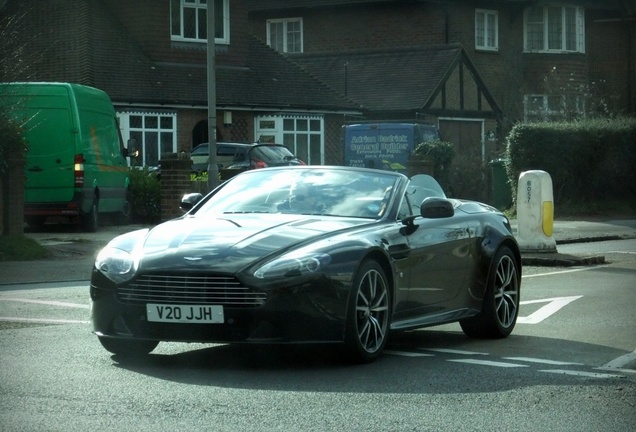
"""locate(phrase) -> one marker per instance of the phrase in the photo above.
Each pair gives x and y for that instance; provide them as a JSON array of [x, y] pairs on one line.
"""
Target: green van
[[76, 162]]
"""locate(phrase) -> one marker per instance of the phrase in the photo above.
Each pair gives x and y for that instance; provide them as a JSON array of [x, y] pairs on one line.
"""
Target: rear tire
[[368, 314], [128, 347], [90, 220], [501, 301], [35, 221]]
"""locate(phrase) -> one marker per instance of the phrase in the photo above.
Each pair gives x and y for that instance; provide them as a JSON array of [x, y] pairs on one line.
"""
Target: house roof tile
[[397, 79], [82, 41]]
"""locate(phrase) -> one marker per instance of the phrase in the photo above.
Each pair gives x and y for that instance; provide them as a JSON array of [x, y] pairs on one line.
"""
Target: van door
[[51, 133]]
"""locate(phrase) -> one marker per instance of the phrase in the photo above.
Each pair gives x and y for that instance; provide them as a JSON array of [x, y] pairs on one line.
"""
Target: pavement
[[72, 252]]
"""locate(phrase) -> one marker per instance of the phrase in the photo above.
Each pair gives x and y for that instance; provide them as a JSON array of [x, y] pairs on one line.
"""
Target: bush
[[468, 178], [588, 161], [145, 190], [441, 153]]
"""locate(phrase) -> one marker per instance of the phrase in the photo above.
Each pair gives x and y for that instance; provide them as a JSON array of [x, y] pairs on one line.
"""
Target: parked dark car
[[309, 254], [242, 157]]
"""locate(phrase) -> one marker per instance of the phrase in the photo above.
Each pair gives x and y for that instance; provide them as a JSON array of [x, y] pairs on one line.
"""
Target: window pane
[[288, 125], [189, 16], [266, 124], [535, 103], [166, 122], [480, 29], [301, 125], [534, 29], [202, 23], [555, 28], [570, 29], [219, 19], [166, 142], [276, 36], [293, 36], [491, 34], [135, 121], [289, 142], [314, 149], [151, 122], [151, 149], [314, 125], [302, 150]]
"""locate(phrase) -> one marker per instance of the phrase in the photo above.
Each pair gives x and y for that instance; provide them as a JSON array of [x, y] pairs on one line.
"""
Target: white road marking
[[45, 302], [452, 351], [554, 304], [541, 361], [560, 272], [621, 370], [621, 361], [580, 373], [408, 354], [43, 321], [487, 363]]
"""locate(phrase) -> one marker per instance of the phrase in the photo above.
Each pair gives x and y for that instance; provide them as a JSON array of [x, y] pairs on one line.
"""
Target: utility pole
[[213, 169]]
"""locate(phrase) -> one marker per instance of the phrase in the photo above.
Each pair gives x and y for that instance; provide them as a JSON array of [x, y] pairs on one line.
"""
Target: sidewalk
[[73, 251]]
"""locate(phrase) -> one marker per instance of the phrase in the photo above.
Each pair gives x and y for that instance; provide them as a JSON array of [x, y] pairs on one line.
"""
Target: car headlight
[[293, 266], [116, 264]]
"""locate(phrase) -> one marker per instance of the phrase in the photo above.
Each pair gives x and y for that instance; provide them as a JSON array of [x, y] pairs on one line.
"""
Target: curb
[[560, 260]]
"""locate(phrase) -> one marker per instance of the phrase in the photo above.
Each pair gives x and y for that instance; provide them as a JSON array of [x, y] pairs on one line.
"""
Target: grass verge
[[18, 247]]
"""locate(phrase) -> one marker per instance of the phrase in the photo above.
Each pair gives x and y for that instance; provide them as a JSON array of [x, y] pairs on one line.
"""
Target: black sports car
[[309, 254]]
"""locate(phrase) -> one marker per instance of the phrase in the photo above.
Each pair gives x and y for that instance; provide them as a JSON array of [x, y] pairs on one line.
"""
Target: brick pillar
[[12, 187], [175, 182]]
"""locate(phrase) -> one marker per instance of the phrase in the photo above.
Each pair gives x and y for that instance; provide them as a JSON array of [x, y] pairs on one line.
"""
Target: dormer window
[[188, 21], [285, 35]]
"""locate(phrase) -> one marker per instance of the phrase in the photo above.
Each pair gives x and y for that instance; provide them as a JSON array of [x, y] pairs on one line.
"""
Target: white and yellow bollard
[[535, 212]]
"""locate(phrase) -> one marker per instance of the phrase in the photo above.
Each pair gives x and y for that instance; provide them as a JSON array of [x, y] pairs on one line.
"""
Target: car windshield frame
[[322, 191]]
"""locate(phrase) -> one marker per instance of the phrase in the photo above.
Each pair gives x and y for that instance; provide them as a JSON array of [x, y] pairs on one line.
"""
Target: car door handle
[[35, 169]]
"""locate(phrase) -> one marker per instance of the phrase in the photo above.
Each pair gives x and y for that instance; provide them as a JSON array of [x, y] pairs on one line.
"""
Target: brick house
[[529, 59], [472, 67]]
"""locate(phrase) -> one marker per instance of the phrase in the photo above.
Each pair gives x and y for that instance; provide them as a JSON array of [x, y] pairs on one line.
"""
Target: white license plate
[[184, 313]]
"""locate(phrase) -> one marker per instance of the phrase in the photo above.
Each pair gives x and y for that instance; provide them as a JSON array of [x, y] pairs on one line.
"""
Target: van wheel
[[90, 220], [124, 217], [35, 221]]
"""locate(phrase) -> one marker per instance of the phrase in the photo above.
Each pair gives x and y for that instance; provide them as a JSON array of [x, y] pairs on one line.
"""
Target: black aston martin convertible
[[309, 254]]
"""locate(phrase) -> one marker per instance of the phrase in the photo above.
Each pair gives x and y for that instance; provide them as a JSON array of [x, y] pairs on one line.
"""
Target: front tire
[[367, 326], [128, 347], [501, 302]]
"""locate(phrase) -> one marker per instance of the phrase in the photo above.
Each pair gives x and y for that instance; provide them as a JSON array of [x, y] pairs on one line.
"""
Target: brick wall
[[175, 182]]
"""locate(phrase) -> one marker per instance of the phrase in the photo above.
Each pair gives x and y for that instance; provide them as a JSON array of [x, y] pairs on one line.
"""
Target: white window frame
[[298, 132], [579, 30], [285, 45], [198, 6], [485, 14], [142, 134], [547, 110]]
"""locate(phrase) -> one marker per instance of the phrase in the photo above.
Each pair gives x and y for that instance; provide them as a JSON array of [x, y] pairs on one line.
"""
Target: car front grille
[[201, 289]]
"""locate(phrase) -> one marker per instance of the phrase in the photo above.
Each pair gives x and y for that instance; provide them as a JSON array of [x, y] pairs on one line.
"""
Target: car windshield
[[333, 192]]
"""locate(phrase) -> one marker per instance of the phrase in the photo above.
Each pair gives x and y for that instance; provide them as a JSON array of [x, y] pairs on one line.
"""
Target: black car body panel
[[285, 276]]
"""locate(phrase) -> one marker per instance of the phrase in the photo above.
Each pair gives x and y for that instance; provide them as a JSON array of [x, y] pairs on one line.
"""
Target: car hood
[[230, 243]]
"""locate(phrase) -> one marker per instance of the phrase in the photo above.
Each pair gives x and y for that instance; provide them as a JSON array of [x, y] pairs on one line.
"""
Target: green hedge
[[145, 190], [588, 160]]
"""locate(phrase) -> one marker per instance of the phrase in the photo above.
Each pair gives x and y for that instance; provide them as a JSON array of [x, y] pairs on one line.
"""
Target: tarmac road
[[73, 251]]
